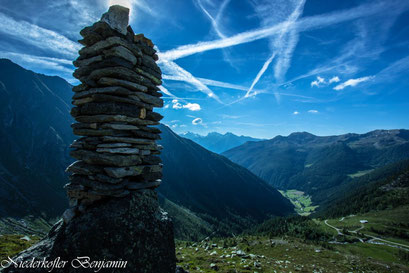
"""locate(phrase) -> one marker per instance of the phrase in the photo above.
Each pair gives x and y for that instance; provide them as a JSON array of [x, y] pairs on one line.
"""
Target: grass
[[10, 245], [384, 224], [26, 225], [301, 201], [371, 251], [263, 254]]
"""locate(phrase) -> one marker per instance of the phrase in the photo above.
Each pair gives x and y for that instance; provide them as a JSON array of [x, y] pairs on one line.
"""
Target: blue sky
[[252, 67]]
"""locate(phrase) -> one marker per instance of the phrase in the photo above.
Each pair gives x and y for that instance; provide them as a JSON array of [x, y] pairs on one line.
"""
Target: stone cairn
[[114, 212], [116, 153]]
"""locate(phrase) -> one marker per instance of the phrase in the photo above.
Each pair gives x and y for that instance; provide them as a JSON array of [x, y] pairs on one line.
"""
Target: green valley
[[301, 201]]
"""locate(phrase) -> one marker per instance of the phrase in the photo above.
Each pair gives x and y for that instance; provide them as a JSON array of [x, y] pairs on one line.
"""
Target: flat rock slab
[[95, 158]]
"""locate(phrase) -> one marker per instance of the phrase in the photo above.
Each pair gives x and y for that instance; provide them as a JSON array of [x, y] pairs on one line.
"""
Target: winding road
[[361, 240]]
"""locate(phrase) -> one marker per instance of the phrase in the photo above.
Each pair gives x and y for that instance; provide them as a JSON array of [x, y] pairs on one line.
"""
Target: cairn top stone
[[117, 18]]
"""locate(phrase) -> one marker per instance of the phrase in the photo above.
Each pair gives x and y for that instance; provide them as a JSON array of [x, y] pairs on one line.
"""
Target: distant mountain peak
[[301, 134], [217, 142]]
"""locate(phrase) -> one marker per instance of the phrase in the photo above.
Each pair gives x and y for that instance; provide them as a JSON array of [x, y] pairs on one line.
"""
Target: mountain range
[[198, 187], [217, 142], [319, 165]]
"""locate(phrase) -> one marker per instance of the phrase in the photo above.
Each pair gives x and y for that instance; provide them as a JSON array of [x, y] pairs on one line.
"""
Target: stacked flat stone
[[114, 113]]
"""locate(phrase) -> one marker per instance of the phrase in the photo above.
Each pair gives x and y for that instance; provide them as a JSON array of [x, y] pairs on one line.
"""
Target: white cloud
[[304, 24], [318, 82], [190, 106], [313, 111], [216, 26], [283, 46], [296, 113], [38, 36], [40, 61], [352, 82], [334, 79], [259, 74], [166, 91], [178, 73], [197, 121], [176, 104]]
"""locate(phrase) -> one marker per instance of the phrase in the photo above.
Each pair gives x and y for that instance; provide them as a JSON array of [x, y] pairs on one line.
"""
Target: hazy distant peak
[[217, 142]]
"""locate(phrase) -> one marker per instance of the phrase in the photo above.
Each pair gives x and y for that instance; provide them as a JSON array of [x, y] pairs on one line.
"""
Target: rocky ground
[[261, 254]]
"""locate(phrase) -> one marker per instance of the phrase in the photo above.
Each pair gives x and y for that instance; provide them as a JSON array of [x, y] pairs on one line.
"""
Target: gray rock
[[153, 116], [132, 229], [116, 126], [113, 90], [98, 29], [124, 83], [110, 108], [89, 61], [132, 170], [144, 152], [145, 185], [84, 71], [157, 102], [121, 52], [92, 132], [117, 18], [151, 77], [118, 150], [104, 178], [114, 118], [151, 147], [119, 72], [142, 134], [90, 38], [150, 62], [94, 184], [151, 176], [68, 215], [80, 87], [123, 172], [98, 48], [151, 160], [80, 167], [128, 140], [91, 157], [113, 145]]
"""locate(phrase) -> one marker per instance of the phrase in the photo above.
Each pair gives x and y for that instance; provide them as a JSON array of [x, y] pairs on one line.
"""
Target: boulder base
[[132, 229]]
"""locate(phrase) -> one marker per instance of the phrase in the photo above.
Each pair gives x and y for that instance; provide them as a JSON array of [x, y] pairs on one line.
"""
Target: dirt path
[[337, 229], [373, 237]]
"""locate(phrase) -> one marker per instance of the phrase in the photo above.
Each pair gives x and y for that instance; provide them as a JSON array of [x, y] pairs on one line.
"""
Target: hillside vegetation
[[319, 165]]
